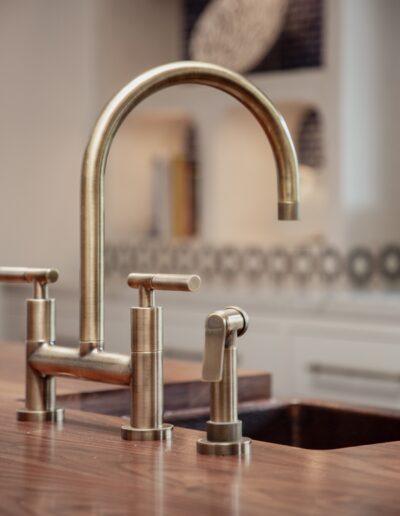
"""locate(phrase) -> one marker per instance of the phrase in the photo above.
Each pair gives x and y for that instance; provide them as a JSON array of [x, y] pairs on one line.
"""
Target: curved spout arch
[[96, 154]]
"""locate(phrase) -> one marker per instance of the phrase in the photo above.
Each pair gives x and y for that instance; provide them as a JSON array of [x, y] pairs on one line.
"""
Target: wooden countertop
[[82, 467]]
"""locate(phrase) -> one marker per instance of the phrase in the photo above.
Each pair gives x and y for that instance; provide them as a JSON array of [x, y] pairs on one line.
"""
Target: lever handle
[[39, 277], [147, 384], [178, 282], [147, 283], [27, 275], [219, 325], [214, 347]]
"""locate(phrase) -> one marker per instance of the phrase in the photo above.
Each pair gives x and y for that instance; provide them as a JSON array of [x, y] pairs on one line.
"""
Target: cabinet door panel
[[349, 369]]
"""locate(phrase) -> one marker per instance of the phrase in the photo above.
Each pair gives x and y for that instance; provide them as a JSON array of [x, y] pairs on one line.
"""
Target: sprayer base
[[242, 447], [55, 416]]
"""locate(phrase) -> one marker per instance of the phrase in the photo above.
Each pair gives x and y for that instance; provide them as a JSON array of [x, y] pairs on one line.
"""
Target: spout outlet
[[288, 210]]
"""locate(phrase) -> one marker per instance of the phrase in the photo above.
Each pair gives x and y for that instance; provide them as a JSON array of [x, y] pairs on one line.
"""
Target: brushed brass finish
[[224, 430], [55, 415], [95, 160], [40, 390], [147, 405], [224, 392], [143, 370], [241, 447], [214, 347], [27, 275], [40, 394], [40, 320], [288, 210], [39, 277], [218, 325], [176, 282], [147, 378], [164, 433], [95, 366]]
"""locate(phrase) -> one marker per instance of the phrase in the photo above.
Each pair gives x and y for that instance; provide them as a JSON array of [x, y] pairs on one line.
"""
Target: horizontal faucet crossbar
[[27, 275], [98, 366]]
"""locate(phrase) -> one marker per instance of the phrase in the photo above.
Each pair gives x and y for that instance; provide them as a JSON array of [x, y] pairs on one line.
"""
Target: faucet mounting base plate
[[55, 416], [129, 433], [242, 447]]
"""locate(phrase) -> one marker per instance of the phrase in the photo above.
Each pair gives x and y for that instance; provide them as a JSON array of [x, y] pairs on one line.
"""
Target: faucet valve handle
[[183, 282], [40, 396], [39, 277], [148, 282], [147, 405]]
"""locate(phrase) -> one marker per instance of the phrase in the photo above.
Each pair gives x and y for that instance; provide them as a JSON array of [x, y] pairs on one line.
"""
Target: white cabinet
[[348, 364]]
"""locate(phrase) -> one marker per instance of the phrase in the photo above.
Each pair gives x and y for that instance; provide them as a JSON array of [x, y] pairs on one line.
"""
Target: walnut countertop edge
[[83, 467]]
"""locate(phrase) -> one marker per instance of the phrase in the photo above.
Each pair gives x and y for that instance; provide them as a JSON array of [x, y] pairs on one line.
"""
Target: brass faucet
[[46, 360]]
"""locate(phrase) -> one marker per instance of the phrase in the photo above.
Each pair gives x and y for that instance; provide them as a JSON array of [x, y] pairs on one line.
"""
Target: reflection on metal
[[40, 390]]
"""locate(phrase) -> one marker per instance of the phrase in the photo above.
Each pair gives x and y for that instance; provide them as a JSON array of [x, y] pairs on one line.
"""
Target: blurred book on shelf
[[161, 217], [175, 190]]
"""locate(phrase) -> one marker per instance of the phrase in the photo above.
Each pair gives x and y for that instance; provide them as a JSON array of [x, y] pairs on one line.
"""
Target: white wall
[[47, 110], [60, 61], [370, 111], [131, 37]]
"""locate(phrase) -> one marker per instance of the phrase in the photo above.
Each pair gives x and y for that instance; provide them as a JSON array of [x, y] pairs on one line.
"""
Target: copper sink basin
[[309, 424], [302, 423]]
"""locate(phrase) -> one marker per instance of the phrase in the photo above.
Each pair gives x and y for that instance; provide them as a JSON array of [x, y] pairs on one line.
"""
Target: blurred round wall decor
[[237, 33]]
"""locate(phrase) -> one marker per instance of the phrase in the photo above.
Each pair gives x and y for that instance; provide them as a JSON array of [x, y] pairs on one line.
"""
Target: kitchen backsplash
[[360, 266]]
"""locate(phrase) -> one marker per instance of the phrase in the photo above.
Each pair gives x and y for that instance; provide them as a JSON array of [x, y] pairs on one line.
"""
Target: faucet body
[[147, 407], [40, 394], [45, 360]]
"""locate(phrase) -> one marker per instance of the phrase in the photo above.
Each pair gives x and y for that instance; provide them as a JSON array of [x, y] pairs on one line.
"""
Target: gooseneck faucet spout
[[95, 159]]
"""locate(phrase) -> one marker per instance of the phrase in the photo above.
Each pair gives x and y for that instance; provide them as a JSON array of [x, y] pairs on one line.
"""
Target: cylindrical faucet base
[[242, 447], [146, 422], [40, 396]]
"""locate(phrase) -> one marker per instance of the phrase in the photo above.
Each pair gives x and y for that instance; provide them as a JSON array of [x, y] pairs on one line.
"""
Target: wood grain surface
[[82, 467]]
